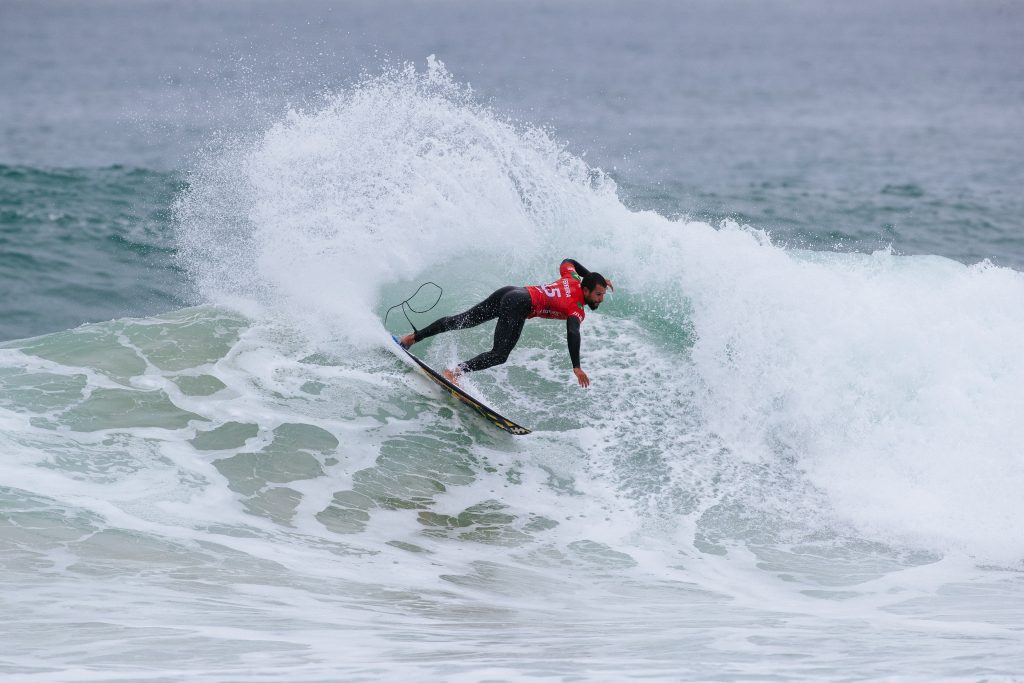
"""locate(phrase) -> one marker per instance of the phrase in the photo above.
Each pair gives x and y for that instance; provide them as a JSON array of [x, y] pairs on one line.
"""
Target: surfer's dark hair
[[592, 279]]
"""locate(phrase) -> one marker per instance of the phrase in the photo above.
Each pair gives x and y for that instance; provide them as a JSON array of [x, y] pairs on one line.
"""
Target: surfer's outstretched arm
[[572, 334]]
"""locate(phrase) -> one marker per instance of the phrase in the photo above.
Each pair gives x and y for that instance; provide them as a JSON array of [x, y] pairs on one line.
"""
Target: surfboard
[[488, 413]]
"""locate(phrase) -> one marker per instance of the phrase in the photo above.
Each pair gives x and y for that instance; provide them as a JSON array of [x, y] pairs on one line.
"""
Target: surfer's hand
[[582, 377], [610, 285]]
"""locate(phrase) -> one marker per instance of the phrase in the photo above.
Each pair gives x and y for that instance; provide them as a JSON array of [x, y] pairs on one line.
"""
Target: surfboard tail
[[460, 394]]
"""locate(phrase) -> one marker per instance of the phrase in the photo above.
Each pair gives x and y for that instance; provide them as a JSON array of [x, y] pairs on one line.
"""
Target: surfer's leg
[[481, 313], [515, 307]]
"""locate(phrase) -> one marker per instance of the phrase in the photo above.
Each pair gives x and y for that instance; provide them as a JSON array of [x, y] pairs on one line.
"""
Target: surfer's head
[[594, 286]]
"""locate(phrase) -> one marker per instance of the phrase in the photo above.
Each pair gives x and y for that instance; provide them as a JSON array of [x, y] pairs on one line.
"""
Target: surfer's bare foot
[[452, 376], [408, 340]]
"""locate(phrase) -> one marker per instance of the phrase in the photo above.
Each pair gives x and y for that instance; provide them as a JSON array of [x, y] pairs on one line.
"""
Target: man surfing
[[563, 299]]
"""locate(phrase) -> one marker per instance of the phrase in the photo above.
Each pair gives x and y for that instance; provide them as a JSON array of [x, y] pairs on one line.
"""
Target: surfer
[[563, 299]]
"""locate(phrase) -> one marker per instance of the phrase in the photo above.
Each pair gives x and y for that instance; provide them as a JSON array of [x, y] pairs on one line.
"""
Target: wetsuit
[[560, 300]]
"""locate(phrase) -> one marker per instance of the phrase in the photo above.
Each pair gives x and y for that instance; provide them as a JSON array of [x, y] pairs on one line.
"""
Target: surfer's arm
[[573, 266], [572, 336], [581, 272], [572, 333]]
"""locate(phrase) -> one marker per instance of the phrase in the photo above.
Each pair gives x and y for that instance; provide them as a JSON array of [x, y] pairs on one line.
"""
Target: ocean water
[[800, 457]]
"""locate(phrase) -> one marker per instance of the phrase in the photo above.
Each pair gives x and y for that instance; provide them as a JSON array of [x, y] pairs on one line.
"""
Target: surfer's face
[[594, 297]]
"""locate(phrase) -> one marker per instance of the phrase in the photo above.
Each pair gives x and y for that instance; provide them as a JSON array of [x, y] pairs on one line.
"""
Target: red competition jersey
[[561, 299]]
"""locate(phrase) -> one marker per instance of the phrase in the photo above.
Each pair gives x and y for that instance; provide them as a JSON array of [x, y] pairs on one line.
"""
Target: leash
[[405, 304]]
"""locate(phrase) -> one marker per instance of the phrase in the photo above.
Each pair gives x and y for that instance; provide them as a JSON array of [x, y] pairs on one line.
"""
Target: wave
[[884, 386]]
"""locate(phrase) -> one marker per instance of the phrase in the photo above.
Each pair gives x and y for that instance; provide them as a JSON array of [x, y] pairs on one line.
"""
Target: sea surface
[[801, 456]]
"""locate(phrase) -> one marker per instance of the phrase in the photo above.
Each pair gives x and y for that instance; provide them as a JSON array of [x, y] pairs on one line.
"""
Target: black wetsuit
[[511, 306]]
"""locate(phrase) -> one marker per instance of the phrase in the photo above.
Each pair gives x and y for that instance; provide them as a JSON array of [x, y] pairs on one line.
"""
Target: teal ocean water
[[800, 457]]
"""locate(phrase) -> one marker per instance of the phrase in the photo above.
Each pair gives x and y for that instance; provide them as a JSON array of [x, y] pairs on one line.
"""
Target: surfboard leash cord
[[405, 304]]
